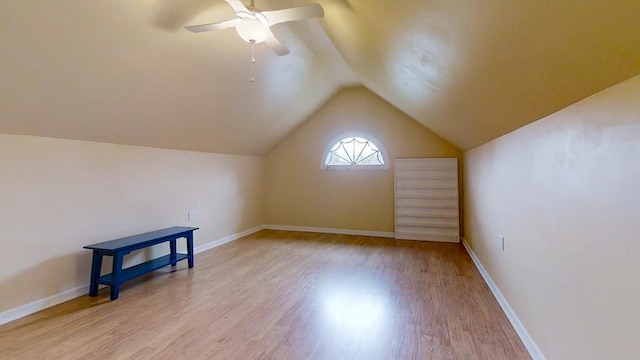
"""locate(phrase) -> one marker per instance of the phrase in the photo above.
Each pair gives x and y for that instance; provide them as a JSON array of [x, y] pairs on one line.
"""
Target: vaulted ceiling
[[126, 72]]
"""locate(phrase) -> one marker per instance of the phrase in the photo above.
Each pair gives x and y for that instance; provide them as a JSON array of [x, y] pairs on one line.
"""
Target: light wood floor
[[285, 295]]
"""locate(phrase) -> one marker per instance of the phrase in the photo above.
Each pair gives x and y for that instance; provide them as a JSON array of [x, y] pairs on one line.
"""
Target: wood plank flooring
[[285, 295]]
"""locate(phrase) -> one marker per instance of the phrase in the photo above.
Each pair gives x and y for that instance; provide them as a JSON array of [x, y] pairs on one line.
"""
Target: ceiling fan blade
[[213, 26], [294, 13], [237, 6], [272, 41], [174, 14]]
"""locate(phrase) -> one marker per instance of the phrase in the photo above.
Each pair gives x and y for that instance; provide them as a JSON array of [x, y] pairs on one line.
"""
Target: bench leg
[[172, 247], [96, 266], [116, 275], [190, 248]]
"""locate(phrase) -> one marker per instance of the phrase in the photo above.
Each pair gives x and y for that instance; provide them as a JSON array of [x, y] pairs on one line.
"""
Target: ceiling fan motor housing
[[252, 28]]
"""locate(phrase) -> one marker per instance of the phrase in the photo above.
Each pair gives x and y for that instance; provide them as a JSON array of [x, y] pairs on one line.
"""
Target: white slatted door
[[426, 199]]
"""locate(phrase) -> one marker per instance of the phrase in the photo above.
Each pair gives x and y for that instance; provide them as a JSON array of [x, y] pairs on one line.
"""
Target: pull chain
[[253, 61]]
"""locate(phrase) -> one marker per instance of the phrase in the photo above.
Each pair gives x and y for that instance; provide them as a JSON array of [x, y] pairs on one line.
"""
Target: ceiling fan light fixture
[[254, 26], [251, 30]]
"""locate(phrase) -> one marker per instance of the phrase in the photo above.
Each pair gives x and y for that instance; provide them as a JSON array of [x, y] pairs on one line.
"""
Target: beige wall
[[58, 195], [565, 193], [299, 193]]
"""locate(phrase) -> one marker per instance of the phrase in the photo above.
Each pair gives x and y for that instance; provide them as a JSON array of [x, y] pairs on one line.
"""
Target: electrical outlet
[[501, 241], [192, 216]]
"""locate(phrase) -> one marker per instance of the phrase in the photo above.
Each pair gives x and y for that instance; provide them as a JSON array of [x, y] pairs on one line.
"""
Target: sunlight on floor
[[356, 311]]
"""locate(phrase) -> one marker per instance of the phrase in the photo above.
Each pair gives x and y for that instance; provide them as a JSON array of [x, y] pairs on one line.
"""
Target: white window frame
[[342, 136]]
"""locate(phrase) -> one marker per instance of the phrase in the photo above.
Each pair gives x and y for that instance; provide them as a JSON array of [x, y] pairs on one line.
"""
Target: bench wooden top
[[140, 239]]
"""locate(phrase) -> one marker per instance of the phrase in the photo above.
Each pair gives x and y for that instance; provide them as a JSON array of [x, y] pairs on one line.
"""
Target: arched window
[[354, 151]]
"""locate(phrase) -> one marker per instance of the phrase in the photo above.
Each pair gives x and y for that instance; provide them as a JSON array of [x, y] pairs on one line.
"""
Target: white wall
[[299, 193], [58, 195], [565, 193]]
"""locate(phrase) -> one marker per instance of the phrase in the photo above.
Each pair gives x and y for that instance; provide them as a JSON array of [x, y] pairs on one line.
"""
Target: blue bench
[[118, 248]]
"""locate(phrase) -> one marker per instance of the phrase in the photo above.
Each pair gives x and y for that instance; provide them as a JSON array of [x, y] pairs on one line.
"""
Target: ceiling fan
[[254, 25]]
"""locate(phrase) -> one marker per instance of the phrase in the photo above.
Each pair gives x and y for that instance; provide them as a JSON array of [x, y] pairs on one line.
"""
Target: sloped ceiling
[[474, 70], [471, 71]]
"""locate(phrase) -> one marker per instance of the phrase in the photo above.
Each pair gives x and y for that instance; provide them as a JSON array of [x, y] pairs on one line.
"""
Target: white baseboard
[[226, 239], [330, 230], [528, 342], [41, 304]]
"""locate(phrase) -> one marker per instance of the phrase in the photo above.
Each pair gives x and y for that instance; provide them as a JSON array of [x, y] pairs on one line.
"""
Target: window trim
[[360, 134]]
